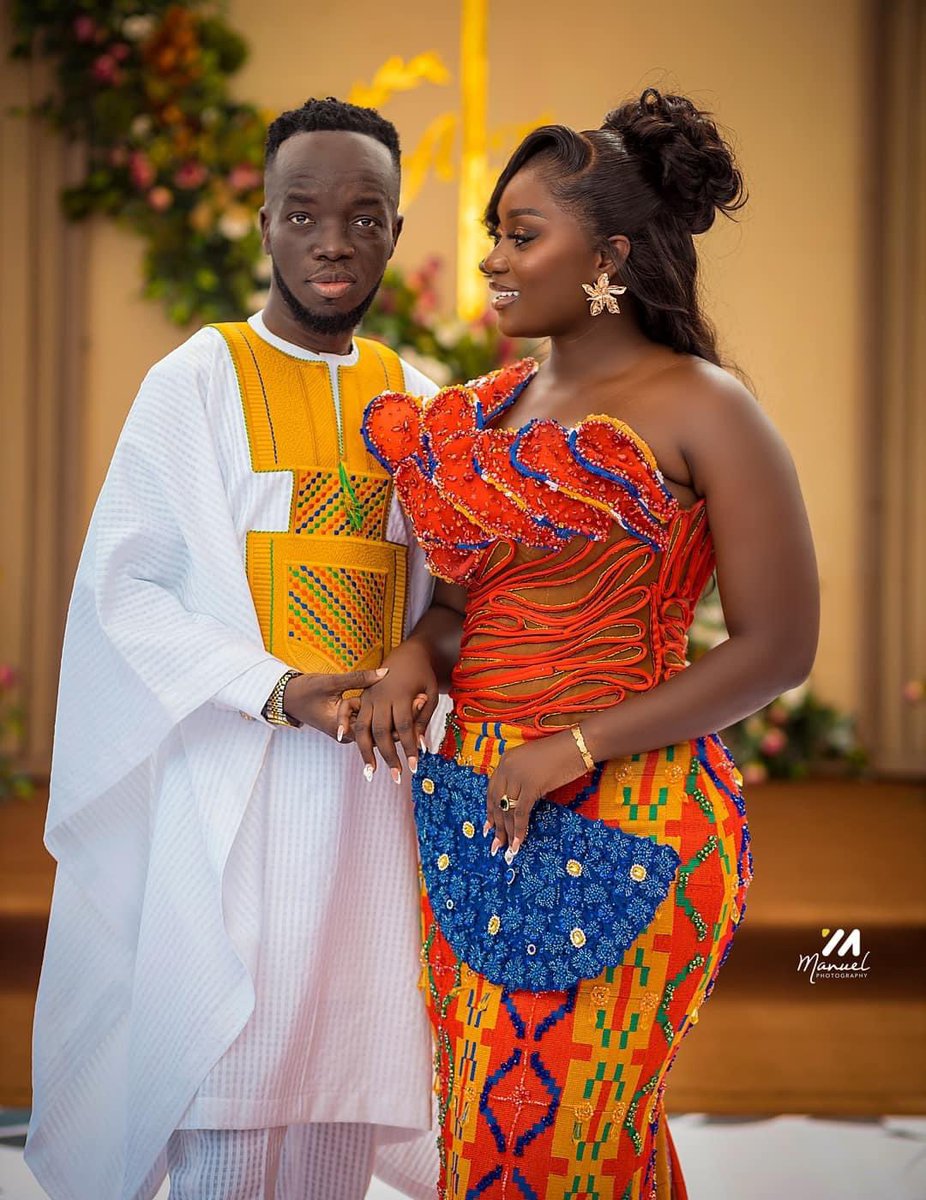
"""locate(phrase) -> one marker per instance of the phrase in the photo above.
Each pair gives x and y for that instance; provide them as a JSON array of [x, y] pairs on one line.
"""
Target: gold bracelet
[[273, 710], [583, 749]]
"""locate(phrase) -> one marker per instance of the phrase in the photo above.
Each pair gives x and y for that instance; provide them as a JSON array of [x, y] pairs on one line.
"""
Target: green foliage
[[169, 154]]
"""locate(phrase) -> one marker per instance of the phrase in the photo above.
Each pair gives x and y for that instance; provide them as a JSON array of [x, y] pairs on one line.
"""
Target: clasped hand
[[524, 775], [394, 708], [397, 709], [319, 700]]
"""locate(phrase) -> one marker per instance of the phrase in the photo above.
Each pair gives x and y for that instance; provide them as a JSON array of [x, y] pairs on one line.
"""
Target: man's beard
[[324, 324]]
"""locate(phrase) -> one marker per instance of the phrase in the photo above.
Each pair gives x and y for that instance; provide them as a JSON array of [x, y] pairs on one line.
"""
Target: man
[[229, 988]]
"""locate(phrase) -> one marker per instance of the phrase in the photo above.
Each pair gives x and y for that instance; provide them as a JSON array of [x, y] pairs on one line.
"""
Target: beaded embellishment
[[465, 483], [576, 896]]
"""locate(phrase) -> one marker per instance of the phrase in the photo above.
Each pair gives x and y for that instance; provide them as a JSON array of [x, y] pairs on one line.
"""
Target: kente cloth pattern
[[329, 591], [582, 569], [577, 895], [582, 572], [559, 1093]]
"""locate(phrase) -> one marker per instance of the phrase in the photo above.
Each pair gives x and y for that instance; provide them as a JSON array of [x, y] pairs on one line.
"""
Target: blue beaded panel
[[575, 897]]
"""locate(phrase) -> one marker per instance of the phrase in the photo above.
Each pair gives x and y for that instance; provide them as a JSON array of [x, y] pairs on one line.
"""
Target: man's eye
[[300, 219], [367, 222]]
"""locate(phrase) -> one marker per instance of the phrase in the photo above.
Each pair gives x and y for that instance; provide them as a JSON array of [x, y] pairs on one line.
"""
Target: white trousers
[[294, 1162]]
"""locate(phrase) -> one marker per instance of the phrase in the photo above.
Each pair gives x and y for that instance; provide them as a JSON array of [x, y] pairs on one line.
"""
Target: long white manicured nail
[[496, 846], [486, 829], [422, 744], [413, 765], [509, 856], [340, 733], [368, 772], [396, 775]]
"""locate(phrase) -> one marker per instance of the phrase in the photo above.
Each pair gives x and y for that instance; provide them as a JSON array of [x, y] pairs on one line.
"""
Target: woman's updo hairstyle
[[657, 171]]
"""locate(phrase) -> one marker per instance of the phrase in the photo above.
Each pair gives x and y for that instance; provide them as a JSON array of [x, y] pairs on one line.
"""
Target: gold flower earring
[[603, 295]]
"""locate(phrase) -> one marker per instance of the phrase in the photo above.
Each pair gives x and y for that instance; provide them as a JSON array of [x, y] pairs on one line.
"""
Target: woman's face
[[541, 258]]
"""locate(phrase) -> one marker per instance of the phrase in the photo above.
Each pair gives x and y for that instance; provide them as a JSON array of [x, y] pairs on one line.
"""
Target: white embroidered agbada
[[234, 930]]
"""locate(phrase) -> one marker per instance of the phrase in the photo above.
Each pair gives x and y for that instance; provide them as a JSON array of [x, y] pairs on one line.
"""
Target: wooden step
[[828, 855]]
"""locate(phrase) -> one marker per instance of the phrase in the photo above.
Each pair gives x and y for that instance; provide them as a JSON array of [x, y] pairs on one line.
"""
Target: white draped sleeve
[[161, 618], [161, 630]]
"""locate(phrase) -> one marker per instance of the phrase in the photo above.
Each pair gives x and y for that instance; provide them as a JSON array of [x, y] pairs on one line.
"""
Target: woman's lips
[[331, 289], [501, 299]]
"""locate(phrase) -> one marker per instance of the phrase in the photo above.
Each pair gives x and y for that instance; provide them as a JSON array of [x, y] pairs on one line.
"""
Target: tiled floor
[[781, 1158]]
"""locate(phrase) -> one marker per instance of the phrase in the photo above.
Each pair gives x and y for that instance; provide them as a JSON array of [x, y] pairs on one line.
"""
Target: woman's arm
[[768, 586], [766, 573], [400, 706]]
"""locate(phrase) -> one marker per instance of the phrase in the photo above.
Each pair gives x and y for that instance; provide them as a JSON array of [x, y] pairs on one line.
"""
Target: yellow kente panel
[[329, 591], [327, 603]]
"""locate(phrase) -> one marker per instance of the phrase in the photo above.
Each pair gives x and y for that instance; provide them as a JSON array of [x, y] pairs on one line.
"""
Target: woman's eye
[[521, 239]]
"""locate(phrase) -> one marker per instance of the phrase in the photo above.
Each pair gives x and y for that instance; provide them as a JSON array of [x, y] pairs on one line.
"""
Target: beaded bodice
[[582, 569]]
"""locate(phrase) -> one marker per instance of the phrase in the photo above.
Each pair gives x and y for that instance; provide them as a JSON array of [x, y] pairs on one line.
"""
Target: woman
[[575, 513]]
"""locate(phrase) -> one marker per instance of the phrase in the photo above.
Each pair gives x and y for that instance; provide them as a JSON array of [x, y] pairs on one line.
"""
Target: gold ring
[[506, 802]]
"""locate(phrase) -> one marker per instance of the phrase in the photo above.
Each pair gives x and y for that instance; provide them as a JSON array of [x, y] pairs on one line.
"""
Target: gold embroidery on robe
[[330, 590]]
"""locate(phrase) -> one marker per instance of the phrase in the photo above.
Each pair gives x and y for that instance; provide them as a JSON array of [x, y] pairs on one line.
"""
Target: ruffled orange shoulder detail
[[466, 483]]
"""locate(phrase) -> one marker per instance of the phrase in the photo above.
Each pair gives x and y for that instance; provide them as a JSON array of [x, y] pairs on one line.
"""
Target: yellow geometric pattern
[[329, 591], [318, 504], [335, 611]]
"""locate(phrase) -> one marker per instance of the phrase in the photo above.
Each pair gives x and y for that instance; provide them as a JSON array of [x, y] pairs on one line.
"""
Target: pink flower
[[914, 691], [191, 175], [7, 676], [105, 69], [120, 51], [84, 28], [160, 198], [754, 772], [243, 177], [773, 742], [141, 170]]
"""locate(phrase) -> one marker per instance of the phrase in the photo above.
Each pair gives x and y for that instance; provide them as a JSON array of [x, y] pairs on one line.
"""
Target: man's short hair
[[331, 114]]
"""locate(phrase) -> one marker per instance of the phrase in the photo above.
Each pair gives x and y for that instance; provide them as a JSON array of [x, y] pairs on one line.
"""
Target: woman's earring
[[603, 295]]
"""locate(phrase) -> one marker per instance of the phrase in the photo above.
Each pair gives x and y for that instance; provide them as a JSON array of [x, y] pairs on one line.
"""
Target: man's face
[[329, 224]]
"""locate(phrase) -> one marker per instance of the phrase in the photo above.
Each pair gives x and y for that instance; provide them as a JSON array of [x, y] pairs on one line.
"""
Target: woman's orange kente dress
[[582, 573]]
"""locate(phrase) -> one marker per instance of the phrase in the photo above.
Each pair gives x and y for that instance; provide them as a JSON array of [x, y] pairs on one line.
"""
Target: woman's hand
[[398, 708], [524, 775]]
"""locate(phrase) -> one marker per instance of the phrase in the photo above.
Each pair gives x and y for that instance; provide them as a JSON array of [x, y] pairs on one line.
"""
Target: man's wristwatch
[[273, 710]]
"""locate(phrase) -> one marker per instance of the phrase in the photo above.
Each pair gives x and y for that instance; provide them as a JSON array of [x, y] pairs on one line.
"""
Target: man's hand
[[317, 699]]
